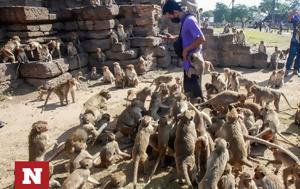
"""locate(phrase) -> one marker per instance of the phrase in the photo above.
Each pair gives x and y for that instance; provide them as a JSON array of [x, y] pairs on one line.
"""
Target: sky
[[210, 4]]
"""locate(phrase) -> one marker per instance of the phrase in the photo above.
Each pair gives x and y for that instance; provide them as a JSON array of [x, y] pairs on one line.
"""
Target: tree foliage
[[221, 13]]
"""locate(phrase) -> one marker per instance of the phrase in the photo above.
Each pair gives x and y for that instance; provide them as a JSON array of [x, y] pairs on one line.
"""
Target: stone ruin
[[44, 20]]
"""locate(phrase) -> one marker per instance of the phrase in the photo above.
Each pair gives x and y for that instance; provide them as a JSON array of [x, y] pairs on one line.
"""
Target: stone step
[[7, 71], [126, 55], [50, 82]]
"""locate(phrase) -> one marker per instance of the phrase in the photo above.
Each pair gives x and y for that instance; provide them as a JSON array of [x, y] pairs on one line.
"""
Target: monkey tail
[[155, 167], [79, 61], [135, 170], [47, 98], [269, 144], [60, 148], [287, 101], [286, 140], [212, 67]]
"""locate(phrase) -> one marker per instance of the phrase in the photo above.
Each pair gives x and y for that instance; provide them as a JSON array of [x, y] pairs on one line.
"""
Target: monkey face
[[105, 94], [106, 117], [94, 69], [86, 163], [221, 144], [105, 69], [40, 126], [98, 50], [260, 172], [116, 64]]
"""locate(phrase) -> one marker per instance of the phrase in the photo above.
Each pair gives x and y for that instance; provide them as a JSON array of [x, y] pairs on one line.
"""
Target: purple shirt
[[190, 32]]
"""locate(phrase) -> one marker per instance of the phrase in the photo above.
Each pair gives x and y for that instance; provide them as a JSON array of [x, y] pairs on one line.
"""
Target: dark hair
[[170, 6]]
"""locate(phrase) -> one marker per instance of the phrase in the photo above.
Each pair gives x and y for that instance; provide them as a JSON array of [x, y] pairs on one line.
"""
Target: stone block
[[260, 60], [7, 71], [164, 62], [23, 15], [95, 13], [85, 25], [70, 26], [145, 31], [93, 34], [31, 34], [207, 31], [104, 25], [145, 21], [51, 82], [126, 55], [159, 2], [74, 62], [91, 45], [43, 70], [119, 47], [145, 41]]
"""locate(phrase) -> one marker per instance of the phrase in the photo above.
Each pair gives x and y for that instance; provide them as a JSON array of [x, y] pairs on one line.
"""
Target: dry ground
[[21, 111]]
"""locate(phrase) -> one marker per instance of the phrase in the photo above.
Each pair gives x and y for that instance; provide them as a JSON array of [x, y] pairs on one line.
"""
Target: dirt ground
[[21, 111]]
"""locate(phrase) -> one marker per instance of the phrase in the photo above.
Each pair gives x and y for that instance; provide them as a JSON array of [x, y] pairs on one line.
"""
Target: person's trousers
[[193, 85], [294, 53]]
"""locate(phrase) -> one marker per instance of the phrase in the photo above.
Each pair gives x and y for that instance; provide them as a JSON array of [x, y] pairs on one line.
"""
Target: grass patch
[[271, 39]]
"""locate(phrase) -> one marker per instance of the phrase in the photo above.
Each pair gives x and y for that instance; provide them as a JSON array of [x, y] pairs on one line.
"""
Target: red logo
[[31, 175]]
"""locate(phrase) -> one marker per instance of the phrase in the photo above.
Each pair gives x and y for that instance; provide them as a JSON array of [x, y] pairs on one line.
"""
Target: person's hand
[[168, 36], [185, 54]]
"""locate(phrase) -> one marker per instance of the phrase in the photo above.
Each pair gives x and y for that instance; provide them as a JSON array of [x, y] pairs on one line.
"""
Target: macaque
[[121, 33], [9, 48], [129, 32], [54, 46], [45, 54], [94, 75], [108, 77], [100, 55], [131, 76]]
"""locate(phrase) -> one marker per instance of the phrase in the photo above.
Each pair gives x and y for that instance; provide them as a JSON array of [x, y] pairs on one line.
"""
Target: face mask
[[176, 20]]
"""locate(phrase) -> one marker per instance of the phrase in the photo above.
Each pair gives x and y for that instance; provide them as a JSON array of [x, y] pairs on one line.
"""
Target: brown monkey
[[179, 83], [247, 84], [45, 55], [247, 118], [143, 94], [114, 37], [131, 94], [94, 75], [111, 152], [155, 105], [217, 82], [208, 66], [71, 49], [218, 119], [293, 171], [100, 55], [129, 31], [95, 3], [164, 91], [255, 108], [38, 141], [185, 147], [224, 99], [297, 116], [119, 75], [62, 91], [161, 79], [231, 131], [131, 76], [108, 77], [197, 63], [211, 90], [246, 181], [77, 157], [202, 153], [139, 155], [54, 46], [34, 48], [263, 94], [165, 126], [141, 66], [21, 56], [276, 79], [121, 33], [79, 177], [42, 91], [272, 79], [266, 179], [128, 120], [234, 83], [9, 48], [228, 73], [227, 181], [216, 164], [98, 101], [117, 181]]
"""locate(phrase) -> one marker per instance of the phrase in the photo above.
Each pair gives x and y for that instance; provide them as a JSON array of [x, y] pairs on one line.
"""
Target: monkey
[[247, 84], [144, 94], [141, 142], [197, 63], [128, 120], [21, 56], [100, 55], [94, 75], [114, 37], [224, 99], [276, 79], [42, 91], [234, 83], [119, 75], [266, 179], [179, 83], [38, 141], [45, 54], [246, 181], [129, 32], [211, 90], [263, 94], [9, 48], [131, 94], [202, 153], [131, 76], [293, 171], [216, 165], [77, 157], [98, 101], [255, 108], [108, 77], [227, 181], [79, 78], [161, 79], [79, 177], [247, 117], [164, 91], [111, 152], [231, 131], [185, 141], [218, 119], [117, 181], [141, 66], [155, 106], [62, 91], [297, 115], [71, 49], [121, 33], [34, 48], [228, 73], [208, 66], [165, 126], [218, 82], [54, 45], [95, 3]]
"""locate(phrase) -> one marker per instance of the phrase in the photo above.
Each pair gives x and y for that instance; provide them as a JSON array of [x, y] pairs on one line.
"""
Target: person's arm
[[192, 46]]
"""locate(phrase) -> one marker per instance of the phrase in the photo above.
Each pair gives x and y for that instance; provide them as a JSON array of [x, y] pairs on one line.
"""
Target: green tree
[[243, 14], [208, 14], [267, 6], [221, 13], [293, 3]]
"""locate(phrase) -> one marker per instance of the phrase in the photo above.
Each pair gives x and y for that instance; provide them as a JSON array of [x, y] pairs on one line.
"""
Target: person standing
[[191, 39], [294, 18]]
